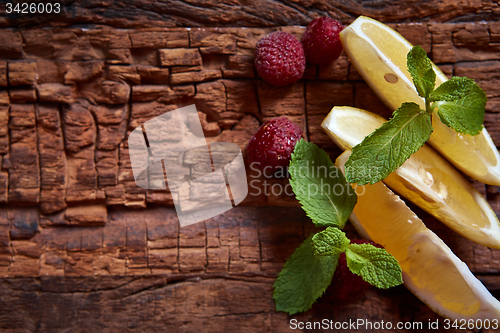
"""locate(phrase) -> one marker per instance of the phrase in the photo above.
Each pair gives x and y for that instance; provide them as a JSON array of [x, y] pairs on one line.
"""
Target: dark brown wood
[[83, 248], [142, 272], [143, 13]]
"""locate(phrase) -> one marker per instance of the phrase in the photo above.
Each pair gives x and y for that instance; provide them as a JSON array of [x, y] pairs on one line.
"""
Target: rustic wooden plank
[[87, 215], [80, 136], [153, 75], [337, 70], [220, 41], [24, 180], [24, 222], [180, 57], [277, 101], [182, 294], [107, 167], [159, 39], [144, 14], [52, 159], [11, 44], [70, 97], [3, 74], [22, 95], [112, 123], [124, 73], [102, 91], [22, 73], [56, 93], [81, 71], [191, 77]]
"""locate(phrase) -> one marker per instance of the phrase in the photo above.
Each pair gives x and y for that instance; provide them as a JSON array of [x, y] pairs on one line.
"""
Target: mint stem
[[428, 107]]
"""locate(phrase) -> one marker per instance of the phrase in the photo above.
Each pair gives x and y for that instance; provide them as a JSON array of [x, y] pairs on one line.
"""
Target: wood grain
[[83, 248], [259, 13]]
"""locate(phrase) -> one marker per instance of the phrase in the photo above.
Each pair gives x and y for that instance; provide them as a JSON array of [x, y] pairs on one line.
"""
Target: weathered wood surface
[[82, 248], [258, 13]]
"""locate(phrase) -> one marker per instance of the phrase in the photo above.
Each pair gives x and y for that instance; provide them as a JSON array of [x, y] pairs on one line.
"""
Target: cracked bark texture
[[162, 13], [82, 248]]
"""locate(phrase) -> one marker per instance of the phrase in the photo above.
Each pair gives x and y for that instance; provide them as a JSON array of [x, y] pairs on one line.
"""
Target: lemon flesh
[[425, 178], [430, 269], [379, 55]]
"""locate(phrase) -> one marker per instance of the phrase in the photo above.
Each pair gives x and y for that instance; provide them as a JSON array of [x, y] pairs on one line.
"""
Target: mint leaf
[[376, 266], [329, 242], [320, 186], [420, 68], [384, 150], [461, 104], [303, 279]]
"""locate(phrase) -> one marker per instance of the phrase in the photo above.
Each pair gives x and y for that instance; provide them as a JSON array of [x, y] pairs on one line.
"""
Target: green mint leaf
[[376, 266], [320, 186], [384, 150], [420, 68], [330, 241], [303, 279], [461, 104]]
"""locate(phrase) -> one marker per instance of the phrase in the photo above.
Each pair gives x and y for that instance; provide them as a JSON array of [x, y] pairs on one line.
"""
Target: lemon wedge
[[431, 271], [379, 55], [425, 178]]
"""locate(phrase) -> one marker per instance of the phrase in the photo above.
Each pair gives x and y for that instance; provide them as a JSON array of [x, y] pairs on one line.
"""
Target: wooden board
[[258, 13], [83, 248]]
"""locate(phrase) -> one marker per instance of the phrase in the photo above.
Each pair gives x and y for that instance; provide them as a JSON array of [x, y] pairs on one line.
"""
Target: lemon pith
[[430, 269], [425, 178], [379, 55]]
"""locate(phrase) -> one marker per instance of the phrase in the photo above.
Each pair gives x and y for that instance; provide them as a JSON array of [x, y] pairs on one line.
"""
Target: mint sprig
[[329, 200], [303, 279], [376, 266], [460, 104], [400, 137], [420, 68], [330, 241], [320, 186]]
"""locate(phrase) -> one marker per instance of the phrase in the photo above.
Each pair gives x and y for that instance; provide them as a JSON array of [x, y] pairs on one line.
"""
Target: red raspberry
[[345, 284], [321, 41], [279, 58], [272, 145]]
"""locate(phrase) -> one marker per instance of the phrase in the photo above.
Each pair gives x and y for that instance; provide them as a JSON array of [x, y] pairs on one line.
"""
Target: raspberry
[[345, 284], [279, 58], [272, 145], [321, 41]]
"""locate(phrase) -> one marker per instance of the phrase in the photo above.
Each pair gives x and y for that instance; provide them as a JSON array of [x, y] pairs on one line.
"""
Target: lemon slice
[[379, 55], [430, 269], [425, 178]]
